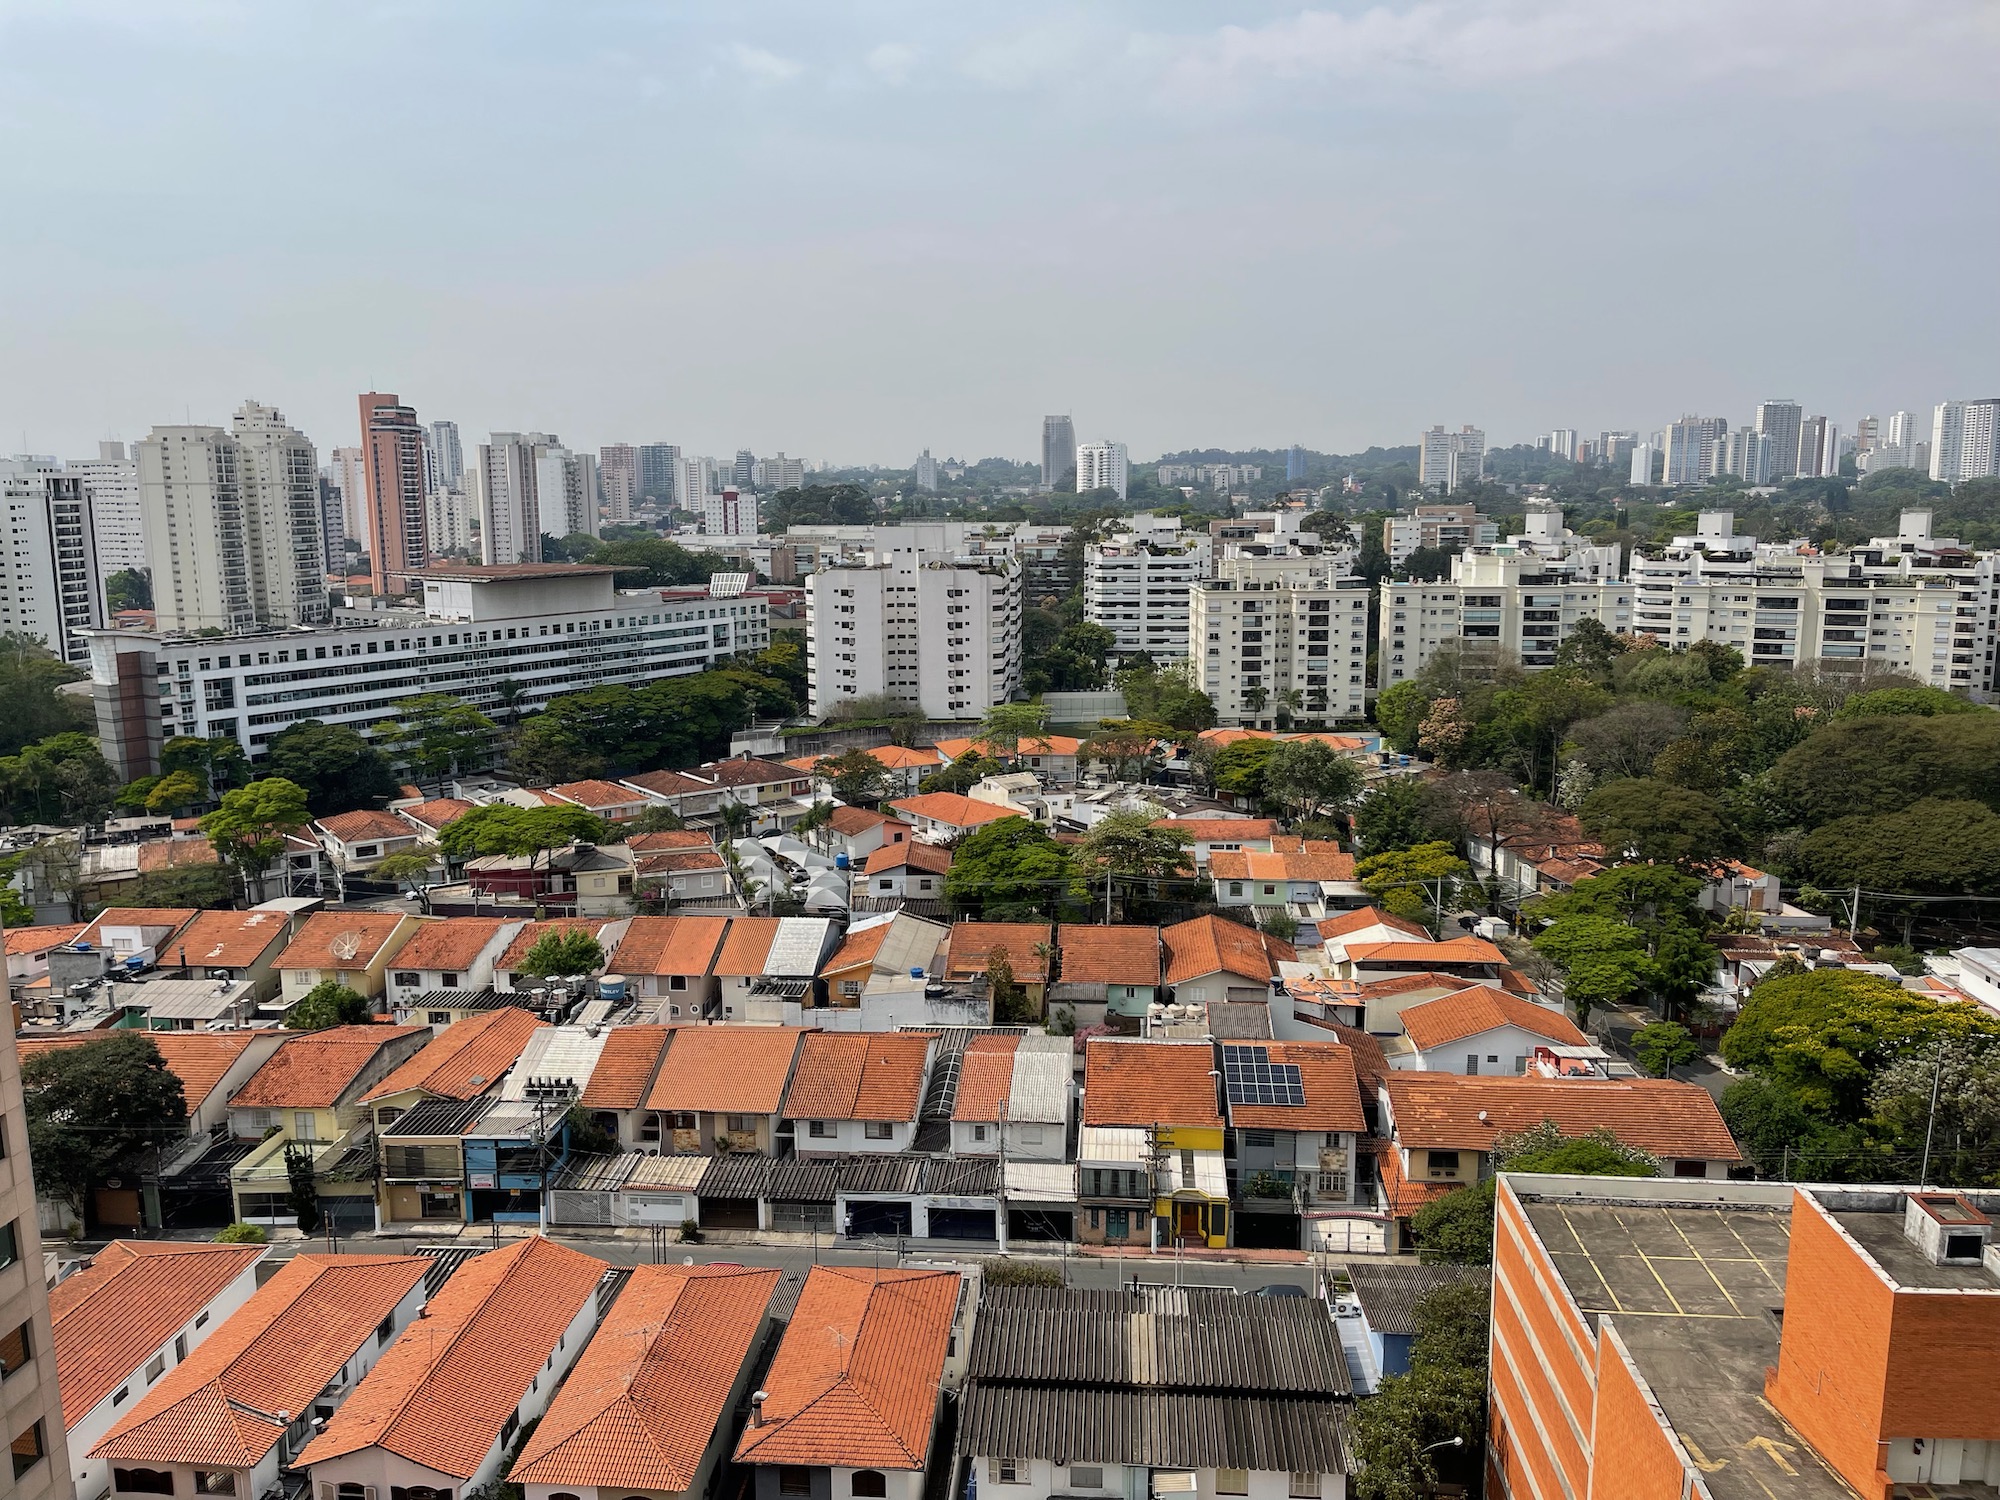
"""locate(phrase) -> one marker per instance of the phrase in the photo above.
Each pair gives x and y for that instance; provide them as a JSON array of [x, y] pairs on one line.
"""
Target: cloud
[[892, 61], [763, 66]]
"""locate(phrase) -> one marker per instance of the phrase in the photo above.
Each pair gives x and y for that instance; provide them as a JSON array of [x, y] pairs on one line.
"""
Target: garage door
[[962, 1224], [878, 1218]]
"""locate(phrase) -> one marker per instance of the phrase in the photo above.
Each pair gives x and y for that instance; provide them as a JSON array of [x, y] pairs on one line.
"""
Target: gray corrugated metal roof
[[596, 1174], [1194, 1339], [1389, 1292], [736, 1176], [1157, 1429], [967, 1177], [437, 1117]]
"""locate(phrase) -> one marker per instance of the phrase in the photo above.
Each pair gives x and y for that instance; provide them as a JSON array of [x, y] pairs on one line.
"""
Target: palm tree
[[1254, 699], [1289, 703]]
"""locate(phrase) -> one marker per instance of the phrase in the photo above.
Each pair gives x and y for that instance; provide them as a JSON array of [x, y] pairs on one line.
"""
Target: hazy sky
[[852, 230]]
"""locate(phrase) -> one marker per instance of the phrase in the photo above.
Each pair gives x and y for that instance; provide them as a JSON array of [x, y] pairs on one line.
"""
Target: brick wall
[[1636, 1459], [1543, 1360]]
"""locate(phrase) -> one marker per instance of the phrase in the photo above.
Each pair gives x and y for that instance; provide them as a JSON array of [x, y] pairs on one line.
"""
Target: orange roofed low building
[[857, 1092], [650, 1407], [1749, 1341], [615, 1096], [347, 947], [239, 1410], [442, 1407], [722, 1087], [851, 1402]]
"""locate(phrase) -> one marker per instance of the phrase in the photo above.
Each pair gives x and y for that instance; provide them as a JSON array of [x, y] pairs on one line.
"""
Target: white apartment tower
[[1139, 583], [447, 453], [349, 468], [731, 513], [49, 585], [926, 472], [781, 473], [1691, 449], [922, 628], [1101, 466], [1282, 627], [281, 518], [112, 482], [1747, 454], [524, 485], [1447, 460], [1965, 440]]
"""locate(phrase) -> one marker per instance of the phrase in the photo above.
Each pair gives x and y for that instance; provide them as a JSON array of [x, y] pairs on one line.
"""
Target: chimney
[[1947, 1228], [757, 1400]]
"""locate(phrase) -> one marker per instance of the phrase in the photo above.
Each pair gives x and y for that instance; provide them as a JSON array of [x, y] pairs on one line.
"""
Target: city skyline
[[1335, 132]]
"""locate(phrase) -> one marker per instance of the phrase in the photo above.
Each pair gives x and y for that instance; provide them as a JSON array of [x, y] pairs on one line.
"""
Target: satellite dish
[[346, 944]]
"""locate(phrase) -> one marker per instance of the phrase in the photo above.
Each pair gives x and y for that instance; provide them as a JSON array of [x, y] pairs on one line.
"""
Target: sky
[[853, 230]]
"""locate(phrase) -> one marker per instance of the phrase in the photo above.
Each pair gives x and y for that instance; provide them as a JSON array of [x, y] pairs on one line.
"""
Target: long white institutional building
[[1910, 603], [550, 628]]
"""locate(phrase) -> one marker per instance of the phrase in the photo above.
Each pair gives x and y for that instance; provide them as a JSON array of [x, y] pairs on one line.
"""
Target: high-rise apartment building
[[1965, 440], [659, 472], [1295, 464], [348, 468], [506, 498], [1745, 453], [1139, 583], [618, 473], [1819, 449], [31, 1417], [448, 453], [1867, 433], [1101, 466], [332, 525], [922, 628], [1691, 449], [281, 518], [743, 472], [1450, 526], [1779, 421], [1644, 456], [397, 537], [1562, 443], [49, 584], [112, 482], [1446, 460], [450, 520], [781, 473], [565, 490], [1058, 450], [926, 472], [697, 479], [1614, 449], [1282, 625], [731, 513]]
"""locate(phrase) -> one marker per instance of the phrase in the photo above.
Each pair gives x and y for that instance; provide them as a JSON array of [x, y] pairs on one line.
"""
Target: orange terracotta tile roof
[[1330, 1084], [646, 1398], [928, 859], [1666, 1118], [340, 940], [1222, 830], [953, 810], [858, 1076], [1371, 1063], [226, 939], [440, 1395], [668, 838], [25, 940], [1453, 1018], [858, 950], [528, 935], [1366, 917], [438, 812], [1048, 744], [907, 757], [448, 945], [972, 944], [1402, 1196], [1460, 950], [313, 1069], [128, 1304], [277, 1352], [668, 783], [856, 1380], [854, 820], [625, 1067], [747, 946], [985, 1078], [1109, 955], [353, 827], [596, 793], [464, 1060], [1149, 1083], [1403, 983], [732, 1070], [1223, 737], [199, 1059], [1253, 864], [175, 854], [670, 945], [1214, 945], [680, 861]]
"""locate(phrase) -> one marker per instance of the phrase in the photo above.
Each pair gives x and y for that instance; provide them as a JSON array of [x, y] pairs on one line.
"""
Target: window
[[1081, 1478], [10, 1246], [215, 1481], [1303, 1485], [305, 1125], [819, 1129], [1444, 1163], [794, 1480], [878, 1130], [121, 1395], [680, 1119], [155, 1368], [408, 978], [14, 1351], [385, 1330], [869, 1484], [1260, 1138], [739, 1124], [1007, 1470], [139, 1481], [1690, 1169], [180, 1347], [979, 1132], [1232, 1481], [351, 1491], [29, 1449]]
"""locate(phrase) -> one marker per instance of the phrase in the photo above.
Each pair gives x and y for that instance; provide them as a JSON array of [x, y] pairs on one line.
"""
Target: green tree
[[1132, 847], [440, 736], [302, 1186], [1406, 882], [1590, 648], [1238, 770], [1007, 724], [96, 1111], [1309, 778], [563, 951], [652, 562], [329, 1003], [1011, 870], [1624, 741], [502, 828], [658, 818], [1604, 962], [30, 679], [219, 762], [1400, 712], [339, 770], [1010, 1001], [411, 867], [1921, 701], [1456, 1229], [249, 829], [175, 793], [962, 774], [61, 779], [857, 778], [1401, 812], [205, 887], [1164, 695], [1932, 847], [545, 752], [239, 1233], [1664, 1046], [1861, 767], [1655, 821], [128, 588]]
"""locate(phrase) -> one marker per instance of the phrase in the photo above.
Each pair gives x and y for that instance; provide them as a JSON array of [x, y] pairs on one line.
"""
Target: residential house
[[1482, 1030], [462, 1061], [722, 1088], [557, 1062], [872, 1346], [106, 870], [1305, 884], [650, 1407], [886, 975], [442, 1407], [508, 975], [136, 1310], [241, 1407], [668, 964], [356, 842], [1155, 1391], [1386, 1294], [615, 1096], [1052, 757], [1106, 975], [858, 832], [899, 873], [586, 880], [683, 868], [241, 947], [1166, 1093], [352, 948], [431, 818], [1364, 926], [857, 1093], [1206, 836], [905, 766], [127, 938], [1213, 958], [421, 1153], [940, 817], [609, 800], [1550, 855], [693, 800], [1295, 1126], [28, 950], [1029, 946], [1472, 959], [1014, 1093], [211, 1065], [767, 963], [447, 958]]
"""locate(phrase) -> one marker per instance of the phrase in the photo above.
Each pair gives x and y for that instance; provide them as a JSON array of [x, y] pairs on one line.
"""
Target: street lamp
[[1457, 1442]]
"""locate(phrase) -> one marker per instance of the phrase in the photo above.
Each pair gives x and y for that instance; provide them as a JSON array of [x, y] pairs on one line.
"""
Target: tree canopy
[[502, 828], [563, 950], [1011, 870], [329, 1003], [338, 769], [95, 1110], [249, 829]]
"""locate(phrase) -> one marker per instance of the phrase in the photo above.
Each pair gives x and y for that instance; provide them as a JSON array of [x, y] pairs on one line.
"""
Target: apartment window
[[739, 1124], [1081, 1478], [878, 1130], [819, 1129], [979, 1132], [680, 1119], [30, 1448], [408, 979], [215, 1481], [794, 1480], [155, 1368], [10, 1245], [385, 1330], [1303, 1486], [1232, 1481], [14, 1351], [1007, 1470], [1260, 1138], [869, 1484]]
